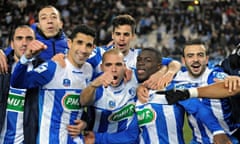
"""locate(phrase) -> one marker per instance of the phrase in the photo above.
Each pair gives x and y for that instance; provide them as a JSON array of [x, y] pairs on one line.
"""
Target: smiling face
[[195, 59], [147, 63], [49, 21], [80, 47], [122, 36], [21, 38], [113, 63]]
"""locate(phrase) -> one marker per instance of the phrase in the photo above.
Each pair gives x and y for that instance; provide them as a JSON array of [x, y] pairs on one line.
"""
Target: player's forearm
[[174, 67], [217, 90], [87, 95]]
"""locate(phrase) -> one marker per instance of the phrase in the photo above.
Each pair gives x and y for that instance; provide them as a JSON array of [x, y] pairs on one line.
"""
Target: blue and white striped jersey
[[58, 98], [160, 122], [115, 113], [219, 107], [12, 131]]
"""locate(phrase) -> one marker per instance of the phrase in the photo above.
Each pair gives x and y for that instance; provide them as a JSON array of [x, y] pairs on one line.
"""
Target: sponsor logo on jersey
[[71, 102], [124, 113], [185, 85], [146, 116], [219, 75], [66, 82], [15, 102]]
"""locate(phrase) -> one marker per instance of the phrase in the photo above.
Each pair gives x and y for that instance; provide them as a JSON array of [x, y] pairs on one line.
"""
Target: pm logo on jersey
[[66, 82], [124, 113], [71, 102]]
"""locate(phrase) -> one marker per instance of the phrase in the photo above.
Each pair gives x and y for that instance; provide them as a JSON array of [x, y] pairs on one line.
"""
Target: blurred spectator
[[167, 23]]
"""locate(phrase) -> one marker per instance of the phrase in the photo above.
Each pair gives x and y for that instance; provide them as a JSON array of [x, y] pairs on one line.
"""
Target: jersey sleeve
[[96, 57], [22, 78], [8, 50], [128, 136], [166, 61], [204, 114]]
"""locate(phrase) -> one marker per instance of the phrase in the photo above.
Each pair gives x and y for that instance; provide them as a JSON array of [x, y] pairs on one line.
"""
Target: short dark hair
[[195, 42], [157, 53], [49, 6], [21, 26], [124, 19], [83, 29]]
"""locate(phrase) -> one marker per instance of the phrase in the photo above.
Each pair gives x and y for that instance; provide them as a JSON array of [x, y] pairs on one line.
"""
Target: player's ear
[[69, 42]]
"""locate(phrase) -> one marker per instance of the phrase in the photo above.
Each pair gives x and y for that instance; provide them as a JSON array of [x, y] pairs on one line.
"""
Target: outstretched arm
[[225, 88]]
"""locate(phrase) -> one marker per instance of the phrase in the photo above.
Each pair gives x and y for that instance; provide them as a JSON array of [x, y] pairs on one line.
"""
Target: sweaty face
[[114, 64], [22, 37], [122, 36], [195, 59], [49, 22], [80, 49], [147, 64]]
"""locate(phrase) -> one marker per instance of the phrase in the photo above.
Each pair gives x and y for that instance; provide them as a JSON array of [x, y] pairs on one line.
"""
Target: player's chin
[[141, 78]]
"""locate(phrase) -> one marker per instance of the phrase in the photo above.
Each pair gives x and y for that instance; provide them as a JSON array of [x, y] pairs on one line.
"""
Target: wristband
[[24, 60], [218, 132], [193, 92]]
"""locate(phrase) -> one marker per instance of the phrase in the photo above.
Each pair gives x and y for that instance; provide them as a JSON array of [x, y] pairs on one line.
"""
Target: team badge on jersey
[[66, 82], [132, 91], [112, 104]]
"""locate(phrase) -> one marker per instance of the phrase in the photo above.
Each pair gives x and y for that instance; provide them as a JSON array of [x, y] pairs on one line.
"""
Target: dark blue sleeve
[[166, 61], [21, 78], [128, 136], [201, 112], [8, 50]]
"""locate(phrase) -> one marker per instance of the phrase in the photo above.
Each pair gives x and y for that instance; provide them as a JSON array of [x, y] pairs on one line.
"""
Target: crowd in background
[[163, 24]]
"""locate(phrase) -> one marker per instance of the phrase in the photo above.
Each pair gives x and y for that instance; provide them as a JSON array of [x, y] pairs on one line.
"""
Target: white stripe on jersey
[[45, 120], [171, 124]]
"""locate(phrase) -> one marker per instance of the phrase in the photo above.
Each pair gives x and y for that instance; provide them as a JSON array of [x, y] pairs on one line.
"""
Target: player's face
[[80, 49], [122, 37], [195, 59], [22, 37], [114, 64], [49, 22], [147, 64]]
